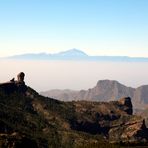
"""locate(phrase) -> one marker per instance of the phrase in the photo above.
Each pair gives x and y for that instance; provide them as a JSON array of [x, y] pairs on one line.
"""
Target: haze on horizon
[[98, 27], [76, 75]]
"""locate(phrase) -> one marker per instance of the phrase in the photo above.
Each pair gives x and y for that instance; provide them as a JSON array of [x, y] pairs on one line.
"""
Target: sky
[[97, 27]]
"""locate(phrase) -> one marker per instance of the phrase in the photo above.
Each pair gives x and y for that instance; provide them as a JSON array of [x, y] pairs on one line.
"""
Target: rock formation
[[41, 122], [20, 77], [14, 86], [113, 119]]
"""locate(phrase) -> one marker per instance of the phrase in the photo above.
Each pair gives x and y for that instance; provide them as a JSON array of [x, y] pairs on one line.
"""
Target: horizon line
[[53, 53]]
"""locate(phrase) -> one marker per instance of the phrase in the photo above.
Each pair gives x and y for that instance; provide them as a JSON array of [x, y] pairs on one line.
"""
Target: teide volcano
[[28, 119], [75, 55]]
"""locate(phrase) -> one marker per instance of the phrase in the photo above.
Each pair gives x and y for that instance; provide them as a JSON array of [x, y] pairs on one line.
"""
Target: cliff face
[[141, 97], [28, 119], [105, 90]]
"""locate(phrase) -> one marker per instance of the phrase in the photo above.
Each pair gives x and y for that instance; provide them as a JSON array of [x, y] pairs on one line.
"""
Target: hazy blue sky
[[102, 27]]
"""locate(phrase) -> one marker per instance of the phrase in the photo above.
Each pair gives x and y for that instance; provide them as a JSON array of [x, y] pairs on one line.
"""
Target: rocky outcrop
[[14, 86], [128, 130], [125, 104], [113, 119]]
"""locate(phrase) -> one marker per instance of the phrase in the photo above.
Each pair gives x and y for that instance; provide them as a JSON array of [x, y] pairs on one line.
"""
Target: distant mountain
[[75, 54], [71, 53], [63, 95], [105, 90]]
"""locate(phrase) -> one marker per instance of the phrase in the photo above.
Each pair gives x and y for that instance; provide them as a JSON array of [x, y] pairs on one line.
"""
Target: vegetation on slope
[[31, 120]]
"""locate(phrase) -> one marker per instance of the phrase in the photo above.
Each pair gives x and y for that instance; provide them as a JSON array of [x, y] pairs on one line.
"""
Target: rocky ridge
[[105, 90], [31, 120]]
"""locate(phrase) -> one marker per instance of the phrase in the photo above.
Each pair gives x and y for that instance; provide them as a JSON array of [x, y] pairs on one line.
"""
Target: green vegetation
[[35, 121]]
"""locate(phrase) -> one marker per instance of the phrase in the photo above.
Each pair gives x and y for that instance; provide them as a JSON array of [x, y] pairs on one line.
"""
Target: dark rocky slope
[[30, 120]]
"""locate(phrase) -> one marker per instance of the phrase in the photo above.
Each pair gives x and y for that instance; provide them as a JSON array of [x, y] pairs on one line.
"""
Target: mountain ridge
[[28, 119], [105, 90], [75, 54]]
